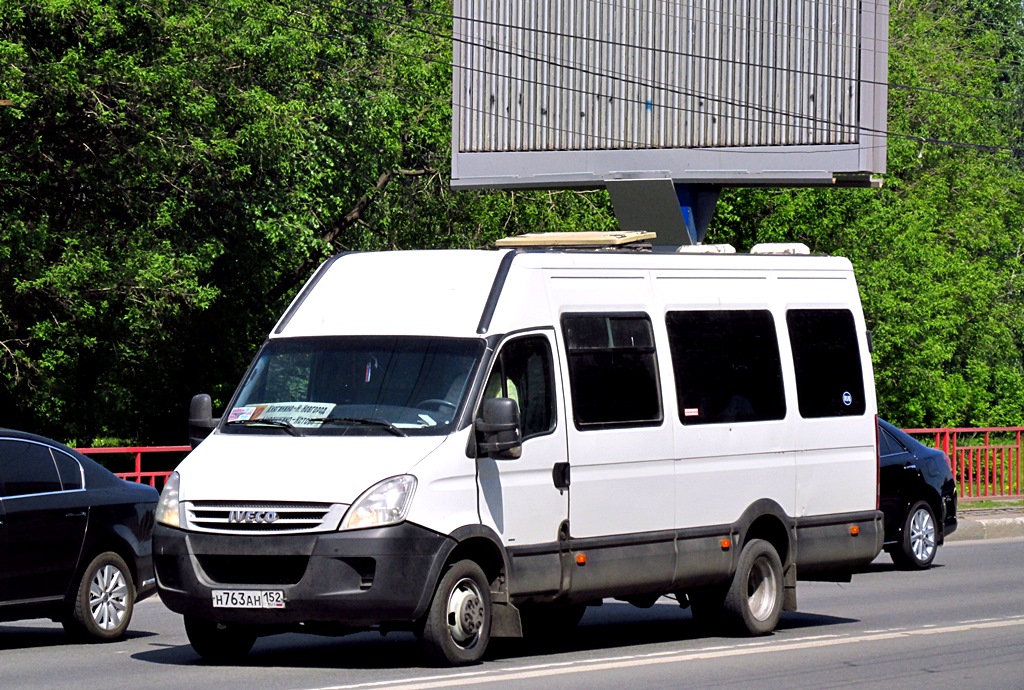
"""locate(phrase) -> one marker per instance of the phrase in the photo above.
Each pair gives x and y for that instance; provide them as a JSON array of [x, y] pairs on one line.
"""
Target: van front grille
[[262, 518]]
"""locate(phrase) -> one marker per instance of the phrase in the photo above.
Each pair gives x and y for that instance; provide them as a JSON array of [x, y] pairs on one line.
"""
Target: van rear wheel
[[753, 603], [457, 626]]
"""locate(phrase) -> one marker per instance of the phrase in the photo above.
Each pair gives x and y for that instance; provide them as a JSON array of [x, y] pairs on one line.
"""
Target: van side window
[[826, 354], [727, 366], [613, 370], [523, 372]]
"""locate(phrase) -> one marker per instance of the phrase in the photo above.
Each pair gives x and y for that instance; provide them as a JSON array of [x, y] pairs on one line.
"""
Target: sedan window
[[69, 469], [889, 445], [26, 468]]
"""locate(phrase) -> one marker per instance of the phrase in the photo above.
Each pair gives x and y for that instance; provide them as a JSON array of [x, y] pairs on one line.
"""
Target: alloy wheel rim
[[108, 597], [922, 535]]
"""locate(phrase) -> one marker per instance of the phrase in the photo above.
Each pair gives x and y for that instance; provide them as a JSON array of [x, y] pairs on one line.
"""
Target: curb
[[988, 524]]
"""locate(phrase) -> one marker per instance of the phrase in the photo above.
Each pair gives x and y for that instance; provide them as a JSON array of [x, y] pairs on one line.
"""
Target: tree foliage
[[173, 171]]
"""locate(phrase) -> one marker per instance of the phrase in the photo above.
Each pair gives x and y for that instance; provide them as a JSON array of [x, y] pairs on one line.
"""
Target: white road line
[[620, 662]]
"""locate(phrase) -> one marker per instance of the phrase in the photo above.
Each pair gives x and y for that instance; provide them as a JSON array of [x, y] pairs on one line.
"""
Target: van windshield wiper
[[276, 423], [361, 421]]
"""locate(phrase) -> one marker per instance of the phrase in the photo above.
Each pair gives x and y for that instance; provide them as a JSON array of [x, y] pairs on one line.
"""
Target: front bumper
[[358, 578]]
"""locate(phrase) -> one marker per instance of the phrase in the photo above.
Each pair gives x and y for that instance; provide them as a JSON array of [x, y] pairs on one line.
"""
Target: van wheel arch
[[481, 545], [765, 519]]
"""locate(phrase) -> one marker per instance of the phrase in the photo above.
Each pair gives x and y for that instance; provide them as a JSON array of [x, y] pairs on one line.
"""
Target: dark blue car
[[917, 497], [75, 540]]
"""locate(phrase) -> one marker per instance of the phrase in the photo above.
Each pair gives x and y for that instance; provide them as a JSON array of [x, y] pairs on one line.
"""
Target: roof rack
[[588, 239], [706, 249], [791, 248]]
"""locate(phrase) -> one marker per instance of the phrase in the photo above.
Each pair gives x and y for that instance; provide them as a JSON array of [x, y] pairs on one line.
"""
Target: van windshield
[[368, 385]]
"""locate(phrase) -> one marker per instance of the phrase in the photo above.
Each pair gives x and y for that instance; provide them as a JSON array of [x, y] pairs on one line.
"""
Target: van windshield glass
[[365, 385]]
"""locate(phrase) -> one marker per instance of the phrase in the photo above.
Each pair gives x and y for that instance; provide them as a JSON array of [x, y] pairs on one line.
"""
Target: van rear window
[[826, 355], [613, 370], [727, 366]]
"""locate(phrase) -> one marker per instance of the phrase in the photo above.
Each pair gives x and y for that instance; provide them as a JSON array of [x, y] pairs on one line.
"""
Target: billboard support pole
[[697, 202], [678, 213]]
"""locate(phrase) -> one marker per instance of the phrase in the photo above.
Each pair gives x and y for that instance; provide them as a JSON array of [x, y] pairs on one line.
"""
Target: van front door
[[526, 500]]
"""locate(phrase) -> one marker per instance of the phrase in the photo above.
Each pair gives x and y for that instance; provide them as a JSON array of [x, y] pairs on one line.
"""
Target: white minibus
[[471, 444]]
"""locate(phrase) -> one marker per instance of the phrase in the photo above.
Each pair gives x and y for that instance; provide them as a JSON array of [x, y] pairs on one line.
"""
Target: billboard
[[580, 93]]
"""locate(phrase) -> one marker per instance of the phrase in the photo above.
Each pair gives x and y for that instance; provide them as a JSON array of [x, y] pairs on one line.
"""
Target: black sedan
[[75, 541], [917, 497]]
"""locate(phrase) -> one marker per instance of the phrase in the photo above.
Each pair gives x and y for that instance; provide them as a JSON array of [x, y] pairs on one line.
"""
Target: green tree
[[174, 171]]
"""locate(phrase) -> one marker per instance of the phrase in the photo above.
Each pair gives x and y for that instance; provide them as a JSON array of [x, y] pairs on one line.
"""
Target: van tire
[[919, 543], [217, 642], [753, 602], [457, 626]]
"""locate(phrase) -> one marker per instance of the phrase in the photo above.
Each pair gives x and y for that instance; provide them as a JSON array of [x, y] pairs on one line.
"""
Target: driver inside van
[[501, 385]]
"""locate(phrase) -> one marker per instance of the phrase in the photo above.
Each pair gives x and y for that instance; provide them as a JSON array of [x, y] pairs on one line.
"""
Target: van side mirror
[[200, 419], [497, 429]]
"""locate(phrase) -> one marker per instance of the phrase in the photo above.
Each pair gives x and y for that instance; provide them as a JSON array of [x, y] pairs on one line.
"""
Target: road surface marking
[[621, 662]]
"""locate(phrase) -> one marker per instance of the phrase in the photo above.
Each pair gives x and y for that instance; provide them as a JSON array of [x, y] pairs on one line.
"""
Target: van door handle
[[79, 514], [560, 475]]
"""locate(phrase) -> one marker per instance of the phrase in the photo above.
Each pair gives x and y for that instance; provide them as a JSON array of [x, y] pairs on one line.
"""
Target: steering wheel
[[434, 402]]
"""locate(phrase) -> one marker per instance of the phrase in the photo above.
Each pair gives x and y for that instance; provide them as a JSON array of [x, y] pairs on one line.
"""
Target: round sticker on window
[[847, 398]]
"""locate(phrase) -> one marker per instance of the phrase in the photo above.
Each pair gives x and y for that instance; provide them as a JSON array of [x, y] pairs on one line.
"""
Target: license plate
[[248, 598]]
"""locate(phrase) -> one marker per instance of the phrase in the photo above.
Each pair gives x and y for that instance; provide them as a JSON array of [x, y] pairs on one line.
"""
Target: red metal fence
[[986, 462], [126, 463]]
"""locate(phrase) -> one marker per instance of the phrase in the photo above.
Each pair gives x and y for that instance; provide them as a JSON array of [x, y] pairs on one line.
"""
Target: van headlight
[[385, 503], [168, 509]]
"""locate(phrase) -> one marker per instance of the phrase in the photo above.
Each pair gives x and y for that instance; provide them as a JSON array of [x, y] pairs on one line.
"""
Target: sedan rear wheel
[[919, 544]]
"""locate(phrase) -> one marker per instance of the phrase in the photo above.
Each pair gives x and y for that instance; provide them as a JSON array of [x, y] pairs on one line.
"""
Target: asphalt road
[[958, 625]]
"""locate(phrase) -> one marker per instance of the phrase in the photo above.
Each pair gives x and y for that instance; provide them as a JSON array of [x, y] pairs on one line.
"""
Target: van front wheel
[[457, 627], [754, 600]]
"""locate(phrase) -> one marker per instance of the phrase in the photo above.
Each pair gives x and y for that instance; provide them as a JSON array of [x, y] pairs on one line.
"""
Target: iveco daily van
[[473, 443]]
